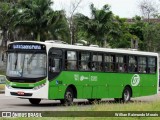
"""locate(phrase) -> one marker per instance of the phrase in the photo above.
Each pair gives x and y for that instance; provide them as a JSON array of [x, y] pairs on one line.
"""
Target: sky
[[122, 8]]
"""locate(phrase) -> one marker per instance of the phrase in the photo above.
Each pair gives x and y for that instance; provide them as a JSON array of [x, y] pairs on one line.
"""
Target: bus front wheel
[[68, 97], [34, 101]]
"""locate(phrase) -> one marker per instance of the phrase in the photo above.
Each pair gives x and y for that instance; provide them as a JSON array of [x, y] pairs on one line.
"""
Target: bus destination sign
[[23, 46], [31, 47]]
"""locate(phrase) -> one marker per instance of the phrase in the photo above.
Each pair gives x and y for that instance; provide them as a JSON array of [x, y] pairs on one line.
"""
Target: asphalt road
[[17, 104]]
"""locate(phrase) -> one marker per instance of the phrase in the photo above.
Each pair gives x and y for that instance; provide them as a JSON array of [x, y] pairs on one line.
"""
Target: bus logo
[[135, 80], [83, 78]]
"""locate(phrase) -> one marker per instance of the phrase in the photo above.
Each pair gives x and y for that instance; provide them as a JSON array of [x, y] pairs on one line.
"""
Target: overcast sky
[[122, 8]]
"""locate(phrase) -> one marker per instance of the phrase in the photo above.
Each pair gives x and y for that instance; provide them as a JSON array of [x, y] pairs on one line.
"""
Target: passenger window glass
[[121, 65], [151, 65], [84, 61], [142, 65], [71, 62], [109, 63], [97, 62], [132, 67]]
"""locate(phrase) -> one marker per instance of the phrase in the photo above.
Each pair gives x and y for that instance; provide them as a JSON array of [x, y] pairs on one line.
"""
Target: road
[[16, 104]]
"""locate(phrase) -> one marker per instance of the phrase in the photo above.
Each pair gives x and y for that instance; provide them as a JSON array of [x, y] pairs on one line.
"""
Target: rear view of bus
[[27, 71]]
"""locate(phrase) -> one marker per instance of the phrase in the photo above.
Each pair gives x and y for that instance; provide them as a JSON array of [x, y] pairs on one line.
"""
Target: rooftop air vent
[[55, 41], [79, 44], [93, 46]]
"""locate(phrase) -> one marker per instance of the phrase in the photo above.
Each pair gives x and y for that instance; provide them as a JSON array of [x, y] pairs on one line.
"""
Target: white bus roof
[[97, 49]]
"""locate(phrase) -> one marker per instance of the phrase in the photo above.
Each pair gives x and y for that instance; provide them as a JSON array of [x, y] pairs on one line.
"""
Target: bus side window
[[142, 64], [120, 62], [84, 61], [109, 63], [112, 68], [93, 66], [71, 60], [132, 66], [84, 66], [151, 65]]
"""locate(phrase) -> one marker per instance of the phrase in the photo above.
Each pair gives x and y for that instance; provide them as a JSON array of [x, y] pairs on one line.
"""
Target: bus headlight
[[38, 87]]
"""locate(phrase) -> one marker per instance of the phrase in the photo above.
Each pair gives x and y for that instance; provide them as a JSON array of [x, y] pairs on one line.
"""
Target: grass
[[111, 106], [105, 106]]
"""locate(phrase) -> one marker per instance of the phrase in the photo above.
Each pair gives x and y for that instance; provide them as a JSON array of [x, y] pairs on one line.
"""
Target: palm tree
[[101, 23], [99, 26], [36, 16], [5, 20], [60, 30]]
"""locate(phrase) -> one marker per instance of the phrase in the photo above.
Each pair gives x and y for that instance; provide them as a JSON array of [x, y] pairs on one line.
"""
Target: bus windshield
[[27, 65]]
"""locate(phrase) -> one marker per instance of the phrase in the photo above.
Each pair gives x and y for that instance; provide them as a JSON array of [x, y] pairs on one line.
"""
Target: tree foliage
[[98, 27], [36, 20], [37, 17], [151, 35], [32, 20]]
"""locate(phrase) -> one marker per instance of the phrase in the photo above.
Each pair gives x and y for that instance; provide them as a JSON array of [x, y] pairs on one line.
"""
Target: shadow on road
[[81, 103]]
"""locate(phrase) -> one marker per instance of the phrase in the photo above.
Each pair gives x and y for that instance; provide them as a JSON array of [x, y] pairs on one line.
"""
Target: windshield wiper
[[31, 58], [16, 61]]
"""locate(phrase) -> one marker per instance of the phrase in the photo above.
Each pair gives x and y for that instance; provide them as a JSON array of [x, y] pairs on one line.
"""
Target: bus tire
[[126, 96], [34, 101], [68, 97]]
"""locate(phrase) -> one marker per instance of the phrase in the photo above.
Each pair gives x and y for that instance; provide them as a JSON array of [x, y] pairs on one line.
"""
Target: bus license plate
[[20, 93]]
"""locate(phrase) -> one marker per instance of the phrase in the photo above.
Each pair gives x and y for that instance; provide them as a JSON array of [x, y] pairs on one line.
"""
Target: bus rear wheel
[[126, 96], [68, 97], [34, 101]]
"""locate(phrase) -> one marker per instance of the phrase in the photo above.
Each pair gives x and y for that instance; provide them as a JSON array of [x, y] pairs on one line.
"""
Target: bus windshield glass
[[26, 65]]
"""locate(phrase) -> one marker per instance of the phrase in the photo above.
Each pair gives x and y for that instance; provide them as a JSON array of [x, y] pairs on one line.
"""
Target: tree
[[151, 35], [82, 23], [36, 17], [5, 19], [120, 37], [136, 29], [60, 30], [72, 28], [148, 8], [99, 26]]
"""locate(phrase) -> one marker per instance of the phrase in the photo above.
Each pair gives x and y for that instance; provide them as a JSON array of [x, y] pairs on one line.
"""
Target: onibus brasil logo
[[135, 80]]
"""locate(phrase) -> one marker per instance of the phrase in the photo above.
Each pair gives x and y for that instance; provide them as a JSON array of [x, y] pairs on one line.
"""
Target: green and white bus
[[54, 71]]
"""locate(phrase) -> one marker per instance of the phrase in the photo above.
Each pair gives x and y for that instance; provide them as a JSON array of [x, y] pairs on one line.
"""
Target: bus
[[55, 71]]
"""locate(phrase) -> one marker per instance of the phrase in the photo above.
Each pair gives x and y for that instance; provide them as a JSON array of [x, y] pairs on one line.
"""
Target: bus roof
[[89, 48]]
